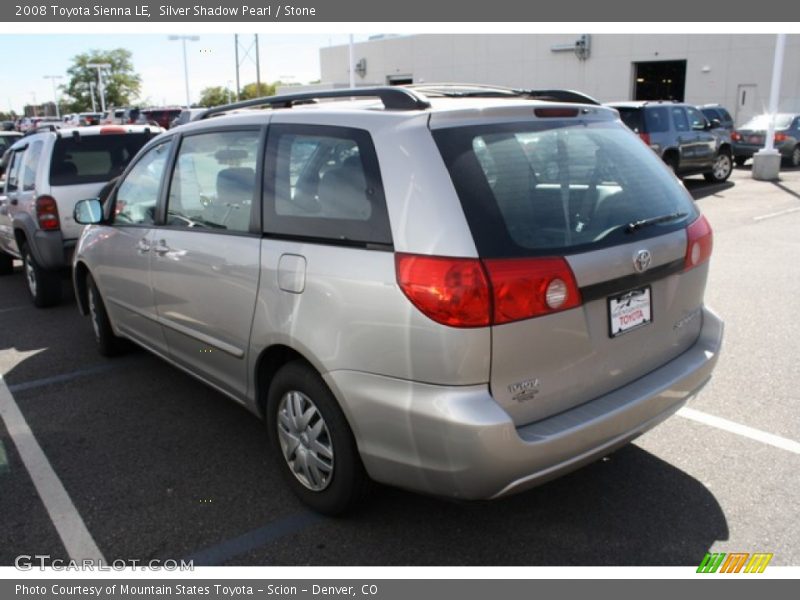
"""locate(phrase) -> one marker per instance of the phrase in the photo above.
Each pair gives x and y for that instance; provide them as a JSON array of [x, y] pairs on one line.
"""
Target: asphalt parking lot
[[158, 466]]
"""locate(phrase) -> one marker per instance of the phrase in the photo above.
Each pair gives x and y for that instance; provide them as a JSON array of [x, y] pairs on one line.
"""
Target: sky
[[211, 61]]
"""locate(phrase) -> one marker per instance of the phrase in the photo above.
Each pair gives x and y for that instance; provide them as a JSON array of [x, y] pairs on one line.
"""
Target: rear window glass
[[762, 122], [93, 158], [632, 117], [533, 189]]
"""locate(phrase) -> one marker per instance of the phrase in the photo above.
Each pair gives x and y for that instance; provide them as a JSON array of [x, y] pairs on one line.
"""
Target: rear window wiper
[[641, 224]]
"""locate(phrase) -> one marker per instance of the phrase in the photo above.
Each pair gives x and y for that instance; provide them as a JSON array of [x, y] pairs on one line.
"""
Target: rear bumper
[[458, 442], [748, 150]]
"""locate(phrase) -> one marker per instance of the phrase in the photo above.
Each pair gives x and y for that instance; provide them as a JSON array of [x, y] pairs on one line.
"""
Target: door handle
[[142, 246], [161, 248]]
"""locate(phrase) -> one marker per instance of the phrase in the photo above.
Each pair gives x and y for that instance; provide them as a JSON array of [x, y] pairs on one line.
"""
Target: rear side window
[[657, 119], [30, 166], [213, 183], [537, 189], [93, 158], [324, 182]]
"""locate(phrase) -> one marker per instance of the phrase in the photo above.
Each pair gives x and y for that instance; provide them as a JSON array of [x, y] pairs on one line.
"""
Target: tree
[[216, 95], [251, 90], [122, 84]]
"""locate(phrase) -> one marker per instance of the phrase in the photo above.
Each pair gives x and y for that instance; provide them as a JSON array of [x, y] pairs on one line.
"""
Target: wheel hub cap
[[305, 441]]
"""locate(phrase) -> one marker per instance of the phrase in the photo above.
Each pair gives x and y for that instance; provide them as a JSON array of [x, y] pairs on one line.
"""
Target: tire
[[44, 285], [740, 160], [6, 264], [672, 162], [794, 159], [334, 480], [108, 344], [723, 166]]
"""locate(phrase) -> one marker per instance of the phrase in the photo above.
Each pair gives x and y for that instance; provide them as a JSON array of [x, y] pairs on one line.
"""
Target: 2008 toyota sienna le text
[[459, 291]]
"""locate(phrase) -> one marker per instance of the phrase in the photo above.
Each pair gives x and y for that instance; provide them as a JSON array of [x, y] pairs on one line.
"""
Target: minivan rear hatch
[[582, 232]]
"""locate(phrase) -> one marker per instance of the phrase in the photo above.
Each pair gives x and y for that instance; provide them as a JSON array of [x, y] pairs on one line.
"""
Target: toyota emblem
[[642, 260]]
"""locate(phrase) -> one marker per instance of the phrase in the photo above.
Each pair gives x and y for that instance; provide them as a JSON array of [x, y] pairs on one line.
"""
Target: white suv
[[48, 172]]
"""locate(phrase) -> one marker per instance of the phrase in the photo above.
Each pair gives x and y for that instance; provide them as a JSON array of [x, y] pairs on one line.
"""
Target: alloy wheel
[[305, 440]]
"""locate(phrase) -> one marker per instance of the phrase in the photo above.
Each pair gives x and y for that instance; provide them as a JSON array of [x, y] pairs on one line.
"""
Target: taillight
[[780, 137], [699, 243], [451, 291], [111, 130], [523, 288], [468, 292], [736, 136], [645, 138], [47, 213]]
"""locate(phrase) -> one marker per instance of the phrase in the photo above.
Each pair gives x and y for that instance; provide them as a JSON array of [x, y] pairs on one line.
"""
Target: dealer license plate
[[628, 311]]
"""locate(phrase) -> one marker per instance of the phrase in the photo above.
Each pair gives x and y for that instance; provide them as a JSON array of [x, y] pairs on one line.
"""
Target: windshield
[[560, 187], [762, 122]]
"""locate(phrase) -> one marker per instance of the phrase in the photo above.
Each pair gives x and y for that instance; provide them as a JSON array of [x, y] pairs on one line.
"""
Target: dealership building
[[732, 70]]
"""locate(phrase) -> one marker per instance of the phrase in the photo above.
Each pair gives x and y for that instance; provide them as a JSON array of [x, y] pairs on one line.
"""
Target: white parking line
[[780, 213], [69, 524], [743, 430]]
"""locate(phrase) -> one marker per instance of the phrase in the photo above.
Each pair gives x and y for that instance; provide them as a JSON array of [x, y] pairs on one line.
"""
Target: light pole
[[183, 39], [91, 93], [100, 87], [52, 79]]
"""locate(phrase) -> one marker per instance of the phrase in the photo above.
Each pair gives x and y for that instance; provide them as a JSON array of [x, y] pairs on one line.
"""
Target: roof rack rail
[[560, 95], [393, 98], [479, 90], [463, 90], [46, 127]]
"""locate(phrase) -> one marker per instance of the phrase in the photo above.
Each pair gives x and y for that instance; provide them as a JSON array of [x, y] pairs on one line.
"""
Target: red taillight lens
[[780, 137], [736, 136], [451, 291], [111, 130], [645, 138], [699, 243], [525, 288], [468, 292], [47, 213]]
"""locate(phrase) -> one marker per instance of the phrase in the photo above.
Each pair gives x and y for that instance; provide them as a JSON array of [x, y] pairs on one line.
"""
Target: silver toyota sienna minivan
[[462, 294]]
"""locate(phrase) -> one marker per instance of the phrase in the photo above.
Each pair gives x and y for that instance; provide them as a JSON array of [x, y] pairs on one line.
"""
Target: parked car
[[681, 136], [48, 172], [402, 295], [162, 116], [717, 112], [7, 138], [749, 138], [186, 115]]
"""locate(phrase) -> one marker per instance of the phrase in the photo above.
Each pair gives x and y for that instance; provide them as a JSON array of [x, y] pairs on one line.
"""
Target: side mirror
[[88, 212], [716, 124]]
